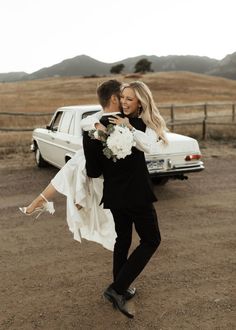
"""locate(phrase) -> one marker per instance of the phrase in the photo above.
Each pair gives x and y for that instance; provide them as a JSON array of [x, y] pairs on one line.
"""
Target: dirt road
[[49, 281]]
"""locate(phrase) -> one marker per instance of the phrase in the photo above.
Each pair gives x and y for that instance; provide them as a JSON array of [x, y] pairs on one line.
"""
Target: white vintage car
[[59, 141]]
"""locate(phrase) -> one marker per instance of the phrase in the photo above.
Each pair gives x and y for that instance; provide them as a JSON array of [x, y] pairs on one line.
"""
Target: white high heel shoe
[[46, 207]]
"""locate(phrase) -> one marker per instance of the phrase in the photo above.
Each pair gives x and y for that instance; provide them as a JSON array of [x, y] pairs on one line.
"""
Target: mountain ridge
[[84, 65]]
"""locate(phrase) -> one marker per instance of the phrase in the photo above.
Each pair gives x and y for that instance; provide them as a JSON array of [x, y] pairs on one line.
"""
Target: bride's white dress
[[91, 222]]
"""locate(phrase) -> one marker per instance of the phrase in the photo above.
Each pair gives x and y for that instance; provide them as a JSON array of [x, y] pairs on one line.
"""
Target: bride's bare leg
[[48, 193]]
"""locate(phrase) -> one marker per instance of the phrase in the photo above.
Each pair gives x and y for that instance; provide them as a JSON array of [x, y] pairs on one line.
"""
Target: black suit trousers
[[126, 269]]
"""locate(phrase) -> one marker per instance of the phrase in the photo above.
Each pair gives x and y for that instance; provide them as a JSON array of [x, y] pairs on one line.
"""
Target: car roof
[[85, 107]]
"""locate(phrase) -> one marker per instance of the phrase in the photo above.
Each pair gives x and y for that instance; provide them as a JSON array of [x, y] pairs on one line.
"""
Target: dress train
[[91, 222]]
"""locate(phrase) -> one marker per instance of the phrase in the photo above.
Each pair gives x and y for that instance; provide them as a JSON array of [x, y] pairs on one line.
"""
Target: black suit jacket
[[126, 181], [93, 151]]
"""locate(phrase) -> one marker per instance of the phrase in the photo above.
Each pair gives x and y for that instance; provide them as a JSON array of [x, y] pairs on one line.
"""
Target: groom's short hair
[[106, 90]]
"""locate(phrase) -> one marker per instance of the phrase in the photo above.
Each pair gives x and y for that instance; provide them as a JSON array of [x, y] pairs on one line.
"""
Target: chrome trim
[[32, 147], [155, 156], [178, 170], [169, 163], [187, 165], [56, 144]]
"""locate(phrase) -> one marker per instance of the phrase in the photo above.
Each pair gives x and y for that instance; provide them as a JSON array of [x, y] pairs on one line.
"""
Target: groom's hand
[[100, 127]]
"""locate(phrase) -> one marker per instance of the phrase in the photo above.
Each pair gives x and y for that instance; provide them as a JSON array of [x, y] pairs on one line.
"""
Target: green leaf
[[110, 129], [107, 152], [91, 134]]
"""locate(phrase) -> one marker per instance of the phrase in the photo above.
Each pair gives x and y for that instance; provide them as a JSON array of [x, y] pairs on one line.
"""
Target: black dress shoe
[[118, 301], [130, 293]]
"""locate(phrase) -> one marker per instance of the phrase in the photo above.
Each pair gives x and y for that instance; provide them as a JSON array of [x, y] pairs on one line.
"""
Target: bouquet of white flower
[[117, 141]]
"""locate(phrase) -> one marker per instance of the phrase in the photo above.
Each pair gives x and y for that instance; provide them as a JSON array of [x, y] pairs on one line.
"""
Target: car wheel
[[39, 159]]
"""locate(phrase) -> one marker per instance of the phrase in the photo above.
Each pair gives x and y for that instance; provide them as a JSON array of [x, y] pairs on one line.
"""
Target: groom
[[128, 194]]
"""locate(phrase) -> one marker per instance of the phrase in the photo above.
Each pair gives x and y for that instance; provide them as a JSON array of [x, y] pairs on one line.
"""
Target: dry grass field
[[168, 88]]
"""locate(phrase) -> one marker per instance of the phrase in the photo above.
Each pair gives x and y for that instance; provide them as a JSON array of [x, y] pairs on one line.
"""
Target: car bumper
[[176, 171], [32, 147]]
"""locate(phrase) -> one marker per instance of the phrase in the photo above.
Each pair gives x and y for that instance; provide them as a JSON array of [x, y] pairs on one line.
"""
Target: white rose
[[120, 142]]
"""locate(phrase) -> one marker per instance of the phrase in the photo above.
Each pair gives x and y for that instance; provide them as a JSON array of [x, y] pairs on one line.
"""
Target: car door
[[46, 139], [63, 139]]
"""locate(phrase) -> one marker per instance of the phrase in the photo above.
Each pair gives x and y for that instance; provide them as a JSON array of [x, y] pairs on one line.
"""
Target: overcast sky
[[40, 33]]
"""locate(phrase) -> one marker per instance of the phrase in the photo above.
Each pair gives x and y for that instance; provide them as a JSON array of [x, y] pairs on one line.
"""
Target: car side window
[[56, 121], [88, 113], [66, 122]]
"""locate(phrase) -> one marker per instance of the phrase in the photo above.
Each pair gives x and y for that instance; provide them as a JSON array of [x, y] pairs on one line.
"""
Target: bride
[[86, 218]]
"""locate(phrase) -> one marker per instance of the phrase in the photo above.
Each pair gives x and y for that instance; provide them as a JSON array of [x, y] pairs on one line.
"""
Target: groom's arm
[[92, 153]]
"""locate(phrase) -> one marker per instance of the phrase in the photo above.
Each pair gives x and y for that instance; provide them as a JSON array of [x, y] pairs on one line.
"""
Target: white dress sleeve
[[145, 141], [89, 122]]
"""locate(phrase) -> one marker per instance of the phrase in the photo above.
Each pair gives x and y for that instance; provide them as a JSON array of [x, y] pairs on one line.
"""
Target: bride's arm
[[145, 141], [89, 122]]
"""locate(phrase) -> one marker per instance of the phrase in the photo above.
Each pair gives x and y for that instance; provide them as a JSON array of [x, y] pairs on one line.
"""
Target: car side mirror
[[48, 127]]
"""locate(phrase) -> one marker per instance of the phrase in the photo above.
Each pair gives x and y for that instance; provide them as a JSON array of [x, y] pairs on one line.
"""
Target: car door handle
[[68, 142], [52, 138]]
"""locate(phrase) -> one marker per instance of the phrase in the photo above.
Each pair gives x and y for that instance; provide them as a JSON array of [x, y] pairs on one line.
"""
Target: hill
[[78, 66], [12, 76], [84, 65], [197, 64], [226, 67]]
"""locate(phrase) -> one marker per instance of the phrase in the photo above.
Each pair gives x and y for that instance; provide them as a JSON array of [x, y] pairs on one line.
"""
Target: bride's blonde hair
[[148, 111]]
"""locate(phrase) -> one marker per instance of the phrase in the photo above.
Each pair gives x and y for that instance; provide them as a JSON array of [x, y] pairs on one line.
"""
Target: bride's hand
[[119, 120]]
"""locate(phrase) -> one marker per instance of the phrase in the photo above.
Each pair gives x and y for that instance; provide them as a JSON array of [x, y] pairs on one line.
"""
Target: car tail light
[[193, 157]]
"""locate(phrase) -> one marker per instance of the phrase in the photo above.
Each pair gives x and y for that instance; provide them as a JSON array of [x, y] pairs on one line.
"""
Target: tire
[[40, 162]]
